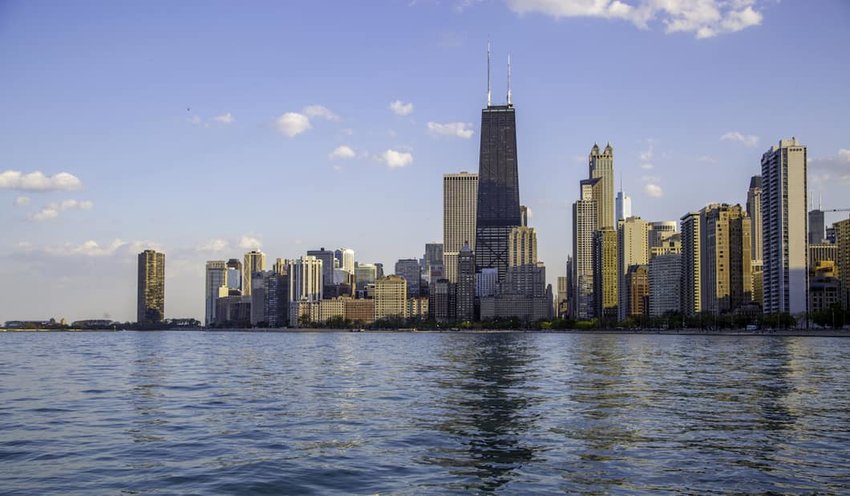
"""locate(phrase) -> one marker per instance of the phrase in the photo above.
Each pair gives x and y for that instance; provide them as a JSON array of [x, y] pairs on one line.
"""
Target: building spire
[[489, 99], [509, 80]]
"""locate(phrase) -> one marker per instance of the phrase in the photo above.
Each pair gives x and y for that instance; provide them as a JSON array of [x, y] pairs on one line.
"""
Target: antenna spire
[[489, 99], [509, 80]]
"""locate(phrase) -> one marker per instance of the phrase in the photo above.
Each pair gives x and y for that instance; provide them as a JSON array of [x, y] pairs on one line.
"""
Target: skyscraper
[[255, 261], [605, 275], [498, 184], [216, 277], [409, 269], [624, 205], [150, 306], [460, 203], [522, 246], [465, 287], [390, 297], [784, 227], [305, 280], [234, 277], [691, 287], [632, 249], [327, 258], [584, 225], [601, 165], [816, 226], [754, 212], [842, 235], [726, 260]]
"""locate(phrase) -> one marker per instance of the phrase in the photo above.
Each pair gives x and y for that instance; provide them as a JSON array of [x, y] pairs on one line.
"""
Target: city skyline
[[74, 238]]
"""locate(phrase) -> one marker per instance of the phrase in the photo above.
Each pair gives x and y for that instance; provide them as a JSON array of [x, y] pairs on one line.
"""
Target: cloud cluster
[[291, 124], [250, 243], [745, 139], [703, 18], [652, 186], [395, 159], [91, 248], [38, 181], [342, 152], [828, 169], [455, 129], [52, 210], [223, 119], [400, 108], [647, 156]]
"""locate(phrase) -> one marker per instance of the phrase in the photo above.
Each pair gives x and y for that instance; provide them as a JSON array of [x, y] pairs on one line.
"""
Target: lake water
[[420, 413]]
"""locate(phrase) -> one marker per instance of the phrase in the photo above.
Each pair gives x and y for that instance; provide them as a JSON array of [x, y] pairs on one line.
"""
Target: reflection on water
[[487, 395], [518, 413]]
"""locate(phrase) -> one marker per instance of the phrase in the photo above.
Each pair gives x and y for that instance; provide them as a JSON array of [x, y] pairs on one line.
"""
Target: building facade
[[216, 277], [605, 274], [255, 261], [150, 305], [632, 249], [390, 297], [460, 204], [784, 227], [584, 225], [665, 278]]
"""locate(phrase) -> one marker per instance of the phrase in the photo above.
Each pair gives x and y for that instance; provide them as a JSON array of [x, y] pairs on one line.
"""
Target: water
[[272, 413]]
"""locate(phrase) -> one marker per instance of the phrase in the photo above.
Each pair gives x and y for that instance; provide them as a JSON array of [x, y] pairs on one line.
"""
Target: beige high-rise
[[842, 238], [632, 249], [255, 261], [726, 258], [460, 204], [390, 297], [601, 165], [605, 275]]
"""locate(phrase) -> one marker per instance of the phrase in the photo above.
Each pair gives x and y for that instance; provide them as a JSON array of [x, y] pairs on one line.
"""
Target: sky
[[209, 128]]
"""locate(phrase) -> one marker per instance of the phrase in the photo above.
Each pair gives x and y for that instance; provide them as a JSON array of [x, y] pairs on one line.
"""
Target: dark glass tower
[[498, 188]]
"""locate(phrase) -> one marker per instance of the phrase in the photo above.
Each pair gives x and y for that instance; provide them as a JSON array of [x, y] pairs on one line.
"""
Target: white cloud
[[704, 18], [92, 248], [224, 118], [653, 190], [214, 245], [22, 201], [320, 112], [396, 159], [400, 108], [292, 124], [745, 139], [52, 210], [38, 181], [457, 129], [250, 243], [647, 156], [827, 170], [196, 120], [342, 151]]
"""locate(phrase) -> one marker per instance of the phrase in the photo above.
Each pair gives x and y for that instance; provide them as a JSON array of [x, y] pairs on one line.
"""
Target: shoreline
[[830, 333]]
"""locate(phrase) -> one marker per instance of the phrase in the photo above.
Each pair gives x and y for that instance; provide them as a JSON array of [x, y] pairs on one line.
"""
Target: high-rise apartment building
[[726, 258], [150, 305], [344, 259], [460, 204], [584, 225], [305, 279], [659, 232], [390, 297], [842, 241], [498, 187], [637, 289], [691, 286], [216, 277], [632, 249], [754, 213], [364, 275], [601, 166], [784, 227], [255, 261], [465, 287], [665, 279], [605, 274]]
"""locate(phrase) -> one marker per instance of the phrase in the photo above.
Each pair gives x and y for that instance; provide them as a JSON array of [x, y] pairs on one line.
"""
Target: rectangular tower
[[216, 277], [150, 306], [584, 225], [784, 227], [460, 203], [601, 165], [632, 249], [498, 188]]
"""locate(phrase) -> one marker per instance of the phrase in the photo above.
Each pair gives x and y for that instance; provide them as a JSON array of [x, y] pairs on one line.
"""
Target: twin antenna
[[489, 97]]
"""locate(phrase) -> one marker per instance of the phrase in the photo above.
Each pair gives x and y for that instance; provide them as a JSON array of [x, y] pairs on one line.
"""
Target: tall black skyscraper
[[498, 183]]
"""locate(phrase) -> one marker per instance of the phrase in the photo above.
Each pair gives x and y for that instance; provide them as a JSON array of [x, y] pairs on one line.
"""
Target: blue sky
[[208, 128]]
